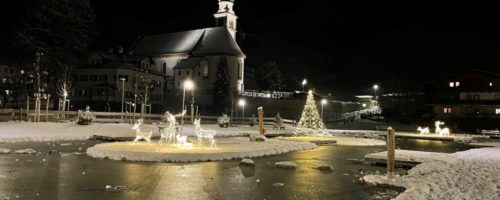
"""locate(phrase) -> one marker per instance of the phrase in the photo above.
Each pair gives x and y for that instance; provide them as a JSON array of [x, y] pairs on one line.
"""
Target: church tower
[[225, 16]]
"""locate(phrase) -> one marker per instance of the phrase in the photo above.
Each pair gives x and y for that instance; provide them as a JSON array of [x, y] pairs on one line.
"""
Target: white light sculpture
[[200, 133], [441, 131], [139, 134], [423, 130], [168, 134]]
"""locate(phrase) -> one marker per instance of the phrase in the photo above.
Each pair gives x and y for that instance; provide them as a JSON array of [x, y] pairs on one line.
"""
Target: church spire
[[226, 17]]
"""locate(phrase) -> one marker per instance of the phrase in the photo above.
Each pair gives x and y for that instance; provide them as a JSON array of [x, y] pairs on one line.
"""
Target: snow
[[25, 151], [4, 151], [340, 140], [47, 132], [471, 174], [410, 156], [286, 164], [227, 148], [247, 161]]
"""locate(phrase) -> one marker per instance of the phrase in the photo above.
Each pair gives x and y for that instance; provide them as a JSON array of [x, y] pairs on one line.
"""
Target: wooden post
[[391, 146], [47, 109], [261, 120]]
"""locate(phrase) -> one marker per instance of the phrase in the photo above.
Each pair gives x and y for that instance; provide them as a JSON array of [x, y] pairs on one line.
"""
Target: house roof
[[472, 70], [188, 63], [207, 41]]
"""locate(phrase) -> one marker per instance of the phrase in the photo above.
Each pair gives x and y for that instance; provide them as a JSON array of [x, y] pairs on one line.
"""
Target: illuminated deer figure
[[441, 132], [139, 134], [423, 130], [200, 133], [168, 133]]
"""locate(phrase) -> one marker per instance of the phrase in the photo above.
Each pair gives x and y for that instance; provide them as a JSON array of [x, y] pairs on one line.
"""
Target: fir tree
[[310, 118], [221, 88], [270, 77]]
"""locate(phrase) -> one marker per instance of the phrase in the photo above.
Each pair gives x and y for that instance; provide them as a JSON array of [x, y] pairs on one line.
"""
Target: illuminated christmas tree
[[310, 118]]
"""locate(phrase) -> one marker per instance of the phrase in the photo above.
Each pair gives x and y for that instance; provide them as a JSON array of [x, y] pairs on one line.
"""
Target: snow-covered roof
[[207, 41]]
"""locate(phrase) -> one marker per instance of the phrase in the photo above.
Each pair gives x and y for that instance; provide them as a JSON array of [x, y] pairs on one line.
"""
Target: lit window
[[457, 84], [447, 110], [452, 84], [497, 111]]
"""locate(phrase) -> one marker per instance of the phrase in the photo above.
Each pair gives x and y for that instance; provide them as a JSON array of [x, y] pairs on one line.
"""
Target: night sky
[[337, 47]]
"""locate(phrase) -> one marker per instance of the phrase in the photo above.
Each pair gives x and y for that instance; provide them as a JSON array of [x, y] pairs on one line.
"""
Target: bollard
[[391, 146], [260, 112]]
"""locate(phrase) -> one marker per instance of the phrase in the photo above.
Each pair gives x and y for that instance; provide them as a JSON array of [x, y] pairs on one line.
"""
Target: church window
[[165, 68], [205, 70], [239, 69], [187, 72], [179, 73]]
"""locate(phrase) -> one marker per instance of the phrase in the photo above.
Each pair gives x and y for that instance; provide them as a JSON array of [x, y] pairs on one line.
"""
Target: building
[[470, 99], [166, 60], [15, 83]]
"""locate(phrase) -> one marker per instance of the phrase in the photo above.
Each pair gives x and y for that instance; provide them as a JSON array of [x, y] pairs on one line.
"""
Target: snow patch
[[286, 164], [471, 174], [227, 148], [4, 151], [247, 161], [25, 151]]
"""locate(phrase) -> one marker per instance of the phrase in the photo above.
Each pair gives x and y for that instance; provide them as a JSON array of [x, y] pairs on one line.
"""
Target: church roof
[[188, 63], [200, 42]]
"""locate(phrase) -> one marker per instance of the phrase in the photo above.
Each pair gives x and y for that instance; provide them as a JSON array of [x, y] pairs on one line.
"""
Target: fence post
[[27, 108], [391, 145], [47, 109], [261, 120]]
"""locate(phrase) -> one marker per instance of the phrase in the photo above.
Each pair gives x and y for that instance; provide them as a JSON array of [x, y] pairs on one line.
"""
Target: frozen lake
[[72, 176]]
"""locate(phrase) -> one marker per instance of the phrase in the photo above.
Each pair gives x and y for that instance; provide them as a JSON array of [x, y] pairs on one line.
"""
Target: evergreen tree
[[270, 77], [221, 88], [310, 118]]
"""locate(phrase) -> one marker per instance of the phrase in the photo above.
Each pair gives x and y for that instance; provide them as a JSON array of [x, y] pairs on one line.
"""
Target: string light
[[310, 117]]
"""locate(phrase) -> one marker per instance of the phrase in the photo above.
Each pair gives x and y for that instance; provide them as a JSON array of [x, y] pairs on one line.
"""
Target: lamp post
[[187, 85], [323, 102], [304, 82], [123, 97], [242, 103], [375, 88]]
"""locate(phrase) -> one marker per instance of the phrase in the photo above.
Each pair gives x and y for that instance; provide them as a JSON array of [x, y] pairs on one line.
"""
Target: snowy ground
[[471, 174], [227, 148], [410, 156], [343, 141]]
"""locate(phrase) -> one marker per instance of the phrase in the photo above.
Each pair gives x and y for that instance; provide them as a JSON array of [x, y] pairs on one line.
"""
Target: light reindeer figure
[[139, 134], [423, 130], [167, 135], [439, 130], [200, 133]]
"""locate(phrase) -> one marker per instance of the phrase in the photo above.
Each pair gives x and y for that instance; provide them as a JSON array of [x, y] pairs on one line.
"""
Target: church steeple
[[225, 16]]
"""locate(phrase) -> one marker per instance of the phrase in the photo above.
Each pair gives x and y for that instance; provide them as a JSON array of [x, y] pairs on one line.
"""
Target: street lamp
[[375, 88], [304, 82], [123, 96], [187, 85], [242, 103], [323, 102]]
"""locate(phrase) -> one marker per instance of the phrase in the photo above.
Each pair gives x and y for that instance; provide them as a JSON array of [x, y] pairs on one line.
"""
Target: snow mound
[[25, 151], [4, 151], [227, 148], [472, 174], [247, 161], [286, 164]]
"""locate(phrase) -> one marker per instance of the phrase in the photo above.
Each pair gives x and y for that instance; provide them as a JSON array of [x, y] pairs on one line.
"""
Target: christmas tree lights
[[310, 118]]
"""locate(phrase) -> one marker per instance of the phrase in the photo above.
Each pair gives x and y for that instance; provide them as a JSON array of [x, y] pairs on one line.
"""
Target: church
[[168, 60]]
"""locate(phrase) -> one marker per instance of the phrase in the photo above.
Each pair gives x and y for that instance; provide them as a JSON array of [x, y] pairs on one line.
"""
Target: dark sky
[[336, 46]]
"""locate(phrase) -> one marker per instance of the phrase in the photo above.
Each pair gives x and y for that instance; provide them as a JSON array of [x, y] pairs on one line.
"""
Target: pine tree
[[310, 118], [270, 77], [221, 88]]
